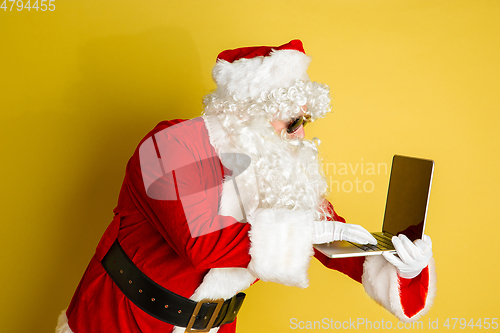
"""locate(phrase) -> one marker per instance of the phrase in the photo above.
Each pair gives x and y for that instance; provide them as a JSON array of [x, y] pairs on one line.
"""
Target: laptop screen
[[407, 197]]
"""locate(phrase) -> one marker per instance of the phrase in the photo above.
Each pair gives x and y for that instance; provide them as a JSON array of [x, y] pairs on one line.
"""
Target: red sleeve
[[183, 190]]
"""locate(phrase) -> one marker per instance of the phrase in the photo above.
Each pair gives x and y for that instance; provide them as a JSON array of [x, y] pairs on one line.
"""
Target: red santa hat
[[247, 72]]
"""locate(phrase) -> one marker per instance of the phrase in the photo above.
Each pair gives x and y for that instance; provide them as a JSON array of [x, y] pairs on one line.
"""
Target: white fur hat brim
[[248, 78]]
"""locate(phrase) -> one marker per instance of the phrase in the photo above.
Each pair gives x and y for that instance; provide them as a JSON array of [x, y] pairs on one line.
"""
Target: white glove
[[329, 231], [413, 257]]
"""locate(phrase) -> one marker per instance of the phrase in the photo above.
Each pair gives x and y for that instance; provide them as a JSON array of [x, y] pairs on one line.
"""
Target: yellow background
[[81, 85]]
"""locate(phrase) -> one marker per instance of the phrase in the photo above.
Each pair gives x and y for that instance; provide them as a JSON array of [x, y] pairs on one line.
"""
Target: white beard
[[284, 173]]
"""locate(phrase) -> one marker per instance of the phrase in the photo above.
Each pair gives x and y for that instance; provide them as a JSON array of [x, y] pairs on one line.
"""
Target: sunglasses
[[297, 122]]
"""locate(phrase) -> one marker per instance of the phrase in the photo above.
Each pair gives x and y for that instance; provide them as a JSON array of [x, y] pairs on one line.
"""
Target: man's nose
[[300, 133]]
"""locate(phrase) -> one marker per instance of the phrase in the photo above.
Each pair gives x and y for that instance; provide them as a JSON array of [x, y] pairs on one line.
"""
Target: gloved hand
[[413, 257], [329, 231]]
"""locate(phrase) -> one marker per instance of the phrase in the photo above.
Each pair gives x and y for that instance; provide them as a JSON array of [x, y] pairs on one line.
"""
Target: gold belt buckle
[[219, 302]]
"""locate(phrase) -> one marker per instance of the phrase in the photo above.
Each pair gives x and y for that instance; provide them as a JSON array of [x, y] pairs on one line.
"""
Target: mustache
[[314, 143]]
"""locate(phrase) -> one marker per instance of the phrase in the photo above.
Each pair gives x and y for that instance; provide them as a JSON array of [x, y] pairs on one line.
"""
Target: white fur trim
[[221, 283], [217, 135], [381, 282], [230, 204], [182, 330], [248, 78], [281, 246], [246, 181], [62, 324]]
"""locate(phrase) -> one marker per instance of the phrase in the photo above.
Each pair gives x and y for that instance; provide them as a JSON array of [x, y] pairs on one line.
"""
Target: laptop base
[[344, 249]]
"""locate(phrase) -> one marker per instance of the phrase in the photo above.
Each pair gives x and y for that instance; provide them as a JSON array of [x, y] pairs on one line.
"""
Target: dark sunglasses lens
[[294, 125]]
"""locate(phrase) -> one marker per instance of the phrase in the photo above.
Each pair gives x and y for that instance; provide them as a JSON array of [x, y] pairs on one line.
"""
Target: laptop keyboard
[[384, 243]]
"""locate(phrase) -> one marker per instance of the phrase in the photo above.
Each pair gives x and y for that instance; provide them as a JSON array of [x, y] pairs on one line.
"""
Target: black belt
[[163, 304]]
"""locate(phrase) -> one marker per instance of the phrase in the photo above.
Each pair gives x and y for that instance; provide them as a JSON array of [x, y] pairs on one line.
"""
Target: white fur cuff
[[281, 246], [381, 282]]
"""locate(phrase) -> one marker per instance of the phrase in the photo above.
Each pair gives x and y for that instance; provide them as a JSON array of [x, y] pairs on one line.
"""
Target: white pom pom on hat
[[247, 72]]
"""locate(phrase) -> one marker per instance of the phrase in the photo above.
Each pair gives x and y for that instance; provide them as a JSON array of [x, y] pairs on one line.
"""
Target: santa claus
[[210, 205]]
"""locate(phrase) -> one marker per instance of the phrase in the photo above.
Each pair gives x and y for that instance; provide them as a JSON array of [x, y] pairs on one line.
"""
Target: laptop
[[405, 209]]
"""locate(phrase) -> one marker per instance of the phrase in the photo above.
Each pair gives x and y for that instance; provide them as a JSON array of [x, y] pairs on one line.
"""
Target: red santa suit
[[157, 237]]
